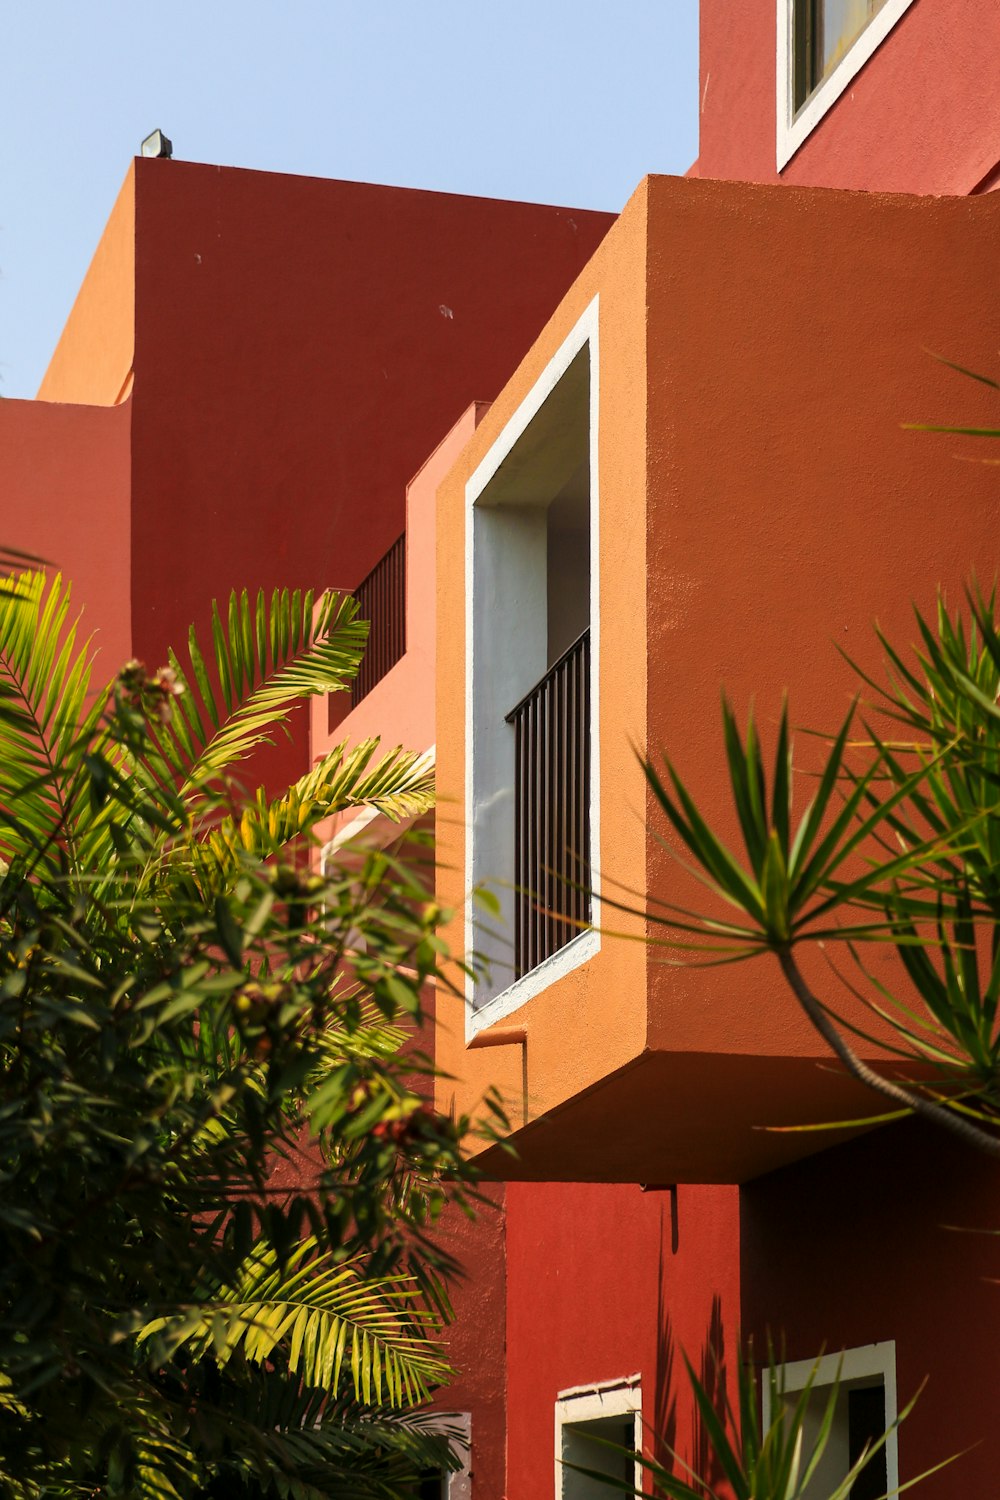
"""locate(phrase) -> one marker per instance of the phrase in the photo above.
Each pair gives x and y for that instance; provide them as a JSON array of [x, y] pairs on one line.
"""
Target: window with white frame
[[611, 1413], [822, 45], [865, 1409], [532, 656]]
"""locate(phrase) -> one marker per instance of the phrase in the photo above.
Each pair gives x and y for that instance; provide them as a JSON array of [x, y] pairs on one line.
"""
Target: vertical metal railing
[[552, 809], [381, 600]]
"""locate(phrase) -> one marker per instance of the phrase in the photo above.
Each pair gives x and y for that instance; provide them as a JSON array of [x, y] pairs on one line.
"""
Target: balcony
[[552, 809], [381, 598], [640, 476]]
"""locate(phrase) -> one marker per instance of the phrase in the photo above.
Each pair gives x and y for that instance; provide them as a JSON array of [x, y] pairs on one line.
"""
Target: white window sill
[[579, 951]]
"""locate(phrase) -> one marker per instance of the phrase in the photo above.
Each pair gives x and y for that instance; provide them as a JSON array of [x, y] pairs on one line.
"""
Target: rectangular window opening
[[822, 45], [600, 1429], [865, 1409], [530, 694]]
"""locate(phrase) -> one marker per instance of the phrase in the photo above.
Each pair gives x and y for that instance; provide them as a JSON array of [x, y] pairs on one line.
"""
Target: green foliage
[[217, 1177]]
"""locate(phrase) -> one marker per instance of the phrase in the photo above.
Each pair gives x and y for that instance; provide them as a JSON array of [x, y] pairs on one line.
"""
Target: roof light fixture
[[157, 144]]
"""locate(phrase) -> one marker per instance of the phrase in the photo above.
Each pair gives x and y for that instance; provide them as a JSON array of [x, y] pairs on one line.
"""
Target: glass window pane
[[824, 32]]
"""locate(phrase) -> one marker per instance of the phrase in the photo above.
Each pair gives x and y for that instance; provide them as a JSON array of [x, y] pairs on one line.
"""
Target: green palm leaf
[[400, 785], [46, 723], [265, 661], [309, 1446], [776, 1462], [328, 1321]]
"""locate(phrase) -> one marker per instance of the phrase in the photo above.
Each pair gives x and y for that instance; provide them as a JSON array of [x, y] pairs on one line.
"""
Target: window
[[611, 1413], [532, 656], [822, 45], [865, 1409]]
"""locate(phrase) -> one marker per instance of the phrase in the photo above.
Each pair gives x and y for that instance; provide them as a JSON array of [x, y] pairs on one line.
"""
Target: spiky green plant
[[776, 1460], [898, 844]]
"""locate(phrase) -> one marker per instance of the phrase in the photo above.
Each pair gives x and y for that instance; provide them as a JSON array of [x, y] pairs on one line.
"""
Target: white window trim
[[794, 129], [585, 1403], [460, 1480], [852, 1364], [588, 943]]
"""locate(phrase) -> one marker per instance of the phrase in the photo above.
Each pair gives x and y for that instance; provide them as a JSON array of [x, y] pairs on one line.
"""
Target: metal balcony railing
[[381, 600], [552, 809]]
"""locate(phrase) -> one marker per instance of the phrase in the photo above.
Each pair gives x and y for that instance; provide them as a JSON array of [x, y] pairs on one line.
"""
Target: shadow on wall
[[665, 1399], [712, 1373], [713, 1378]]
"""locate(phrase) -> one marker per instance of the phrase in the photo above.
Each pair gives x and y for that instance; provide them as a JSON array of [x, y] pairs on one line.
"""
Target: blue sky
[[559, 101]]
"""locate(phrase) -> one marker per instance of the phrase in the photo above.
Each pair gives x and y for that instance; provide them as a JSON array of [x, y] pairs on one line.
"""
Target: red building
[[631, 459]]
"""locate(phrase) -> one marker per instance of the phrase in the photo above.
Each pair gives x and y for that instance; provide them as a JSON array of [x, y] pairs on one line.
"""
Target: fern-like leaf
[[46, 723], [330, 1322]]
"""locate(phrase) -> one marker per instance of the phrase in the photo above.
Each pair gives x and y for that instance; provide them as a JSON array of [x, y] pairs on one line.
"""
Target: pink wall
[[605, 1282], [922, 116], [400, 707], [865, 1243], [64, 496]]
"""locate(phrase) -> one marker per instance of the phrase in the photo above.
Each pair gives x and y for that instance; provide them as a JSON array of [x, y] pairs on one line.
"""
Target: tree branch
[[927, 1109]]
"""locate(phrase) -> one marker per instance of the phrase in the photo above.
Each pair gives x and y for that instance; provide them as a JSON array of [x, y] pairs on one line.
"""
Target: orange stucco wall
[[601, 1036], [922, 116], [92, 361], [759, 350]]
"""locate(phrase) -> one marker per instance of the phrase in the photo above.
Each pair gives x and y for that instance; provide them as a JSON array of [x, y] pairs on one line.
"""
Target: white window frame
[[586, 1403], [853, 1364], [584, 335], [794, 129]]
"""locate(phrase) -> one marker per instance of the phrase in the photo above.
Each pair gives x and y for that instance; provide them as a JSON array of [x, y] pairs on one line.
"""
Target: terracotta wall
[[64, 494], [871, 1242], [301, 345], [761, 487], [603, 1035], [789, 510], [604, 1283], [922, 116]]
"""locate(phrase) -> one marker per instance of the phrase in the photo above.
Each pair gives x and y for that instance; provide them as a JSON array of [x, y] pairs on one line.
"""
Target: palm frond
[[45, 722], [399, 785], [265, 660], [308, 1446], [328, 1321]]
